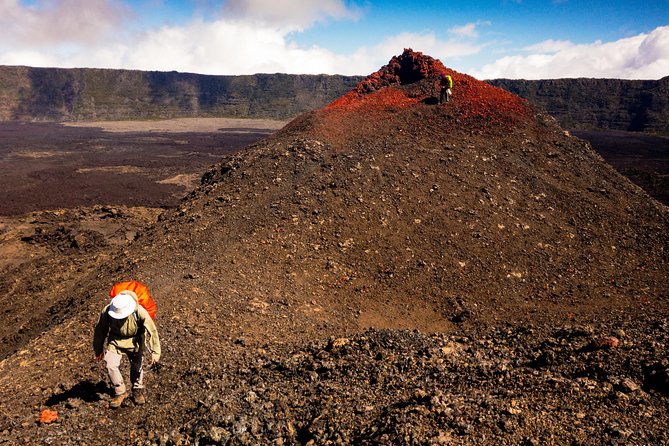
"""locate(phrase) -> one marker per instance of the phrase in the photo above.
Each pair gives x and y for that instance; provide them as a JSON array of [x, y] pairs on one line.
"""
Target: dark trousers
[[443, 93]]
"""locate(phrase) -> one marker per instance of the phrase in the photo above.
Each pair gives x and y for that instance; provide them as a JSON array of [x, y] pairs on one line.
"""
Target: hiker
[[445, 85], [124, 324]]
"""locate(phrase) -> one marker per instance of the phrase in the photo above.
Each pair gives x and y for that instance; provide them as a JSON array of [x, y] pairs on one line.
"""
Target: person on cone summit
[[445, 85], [124, 325]]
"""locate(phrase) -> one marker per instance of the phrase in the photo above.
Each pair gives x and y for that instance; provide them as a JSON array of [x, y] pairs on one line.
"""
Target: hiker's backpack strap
[[140, 323]]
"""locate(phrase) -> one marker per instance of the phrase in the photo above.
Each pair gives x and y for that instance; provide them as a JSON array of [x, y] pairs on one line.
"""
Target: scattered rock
[[605, 342], [629, 385]]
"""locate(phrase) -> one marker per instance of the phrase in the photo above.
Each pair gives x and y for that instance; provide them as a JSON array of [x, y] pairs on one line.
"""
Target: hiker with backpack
[[445, 85], [124, 324]]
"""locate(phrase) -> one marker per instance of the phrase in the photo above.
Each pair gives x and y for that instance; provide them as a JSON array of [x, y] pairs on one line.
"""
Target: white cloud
[[368, 59], [288, 14], [250, 36], [645, 56], [228, 45], [225, 47], [427, 43], [468, 30], [549, 46], [27, 57], [54, 22]]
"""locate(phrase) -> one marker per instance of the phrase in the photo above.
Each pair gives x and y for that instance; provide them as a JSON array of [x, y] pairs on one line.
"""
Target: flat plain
[[133, 163]]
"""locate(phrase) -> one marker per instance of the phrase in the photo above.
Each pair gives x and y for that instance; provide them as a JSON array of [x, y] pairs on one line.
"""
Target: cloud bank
[[50, 23], [645, 56], [257, 36], [248, 36]]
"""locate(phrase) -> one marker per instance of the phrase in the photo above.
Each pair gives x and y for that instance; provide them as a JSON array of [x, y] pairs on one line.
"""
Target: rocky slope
[[381, 271], [587, 104], [43, 251]]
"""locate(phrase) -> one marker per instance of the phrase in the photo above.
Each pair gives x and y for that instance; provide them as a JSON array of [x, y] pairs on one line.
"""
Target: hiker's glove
[[155, 366]]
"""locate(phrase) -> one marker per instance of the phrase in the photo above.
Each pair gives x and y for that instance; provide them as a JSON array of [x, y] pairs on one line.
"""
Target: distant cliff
[[87, 94], [587, 104], [57, 94]]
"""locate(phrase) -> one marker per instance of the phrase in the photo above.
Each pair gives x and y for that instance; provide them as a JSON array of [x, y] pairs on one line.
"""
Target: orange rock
[[48, 416]]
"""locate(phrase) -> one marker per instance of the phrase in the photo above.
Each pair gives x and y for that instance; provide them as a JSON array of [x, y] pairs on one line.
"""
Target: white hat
[[122, 306], [130, 293]]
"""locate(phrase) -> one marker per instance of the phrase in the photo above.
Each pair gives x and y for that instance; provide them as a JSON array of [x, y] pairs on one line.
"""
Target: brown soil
[[383, 271]]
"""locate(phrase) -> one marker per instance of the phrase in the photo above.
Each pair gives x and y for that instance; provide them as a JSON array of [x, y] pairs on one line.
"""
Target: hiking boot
[[118, 400], [138, 397]]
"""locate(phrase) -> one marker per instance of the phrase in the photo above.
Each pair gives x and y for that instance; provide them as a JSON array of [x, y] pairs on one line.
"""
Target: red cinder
[[476, 104]]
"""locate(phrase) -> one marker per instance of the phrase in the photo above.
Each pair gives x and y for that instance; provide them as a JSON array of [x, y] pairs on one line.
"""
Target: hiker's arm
[[100, 334], [153, 341]]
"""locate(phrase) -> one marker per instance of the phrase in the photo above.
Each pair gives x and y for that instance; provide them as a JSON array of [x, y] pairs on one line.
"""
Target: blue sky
[[529, 39]]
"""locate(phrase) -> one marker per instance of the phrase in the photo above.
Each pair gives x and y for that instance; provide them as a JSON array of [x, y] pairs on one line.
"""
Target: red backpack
[[143, 296]]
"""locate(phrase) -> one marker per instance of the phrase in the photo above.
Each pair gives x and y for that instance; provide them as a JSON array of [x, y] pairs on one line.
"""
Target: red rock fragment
[[48, 416], [605, 342]]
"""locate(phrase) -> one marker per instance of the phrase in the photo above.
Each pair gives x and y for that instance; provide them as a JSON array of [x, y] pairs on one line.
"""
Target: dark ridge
[[87, 94], [84, 94], [588, 104]]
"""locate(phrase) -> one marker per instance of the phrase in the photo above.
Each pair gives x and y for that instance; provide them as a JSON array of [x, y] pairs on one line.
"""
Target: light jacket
[[126, 335]]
